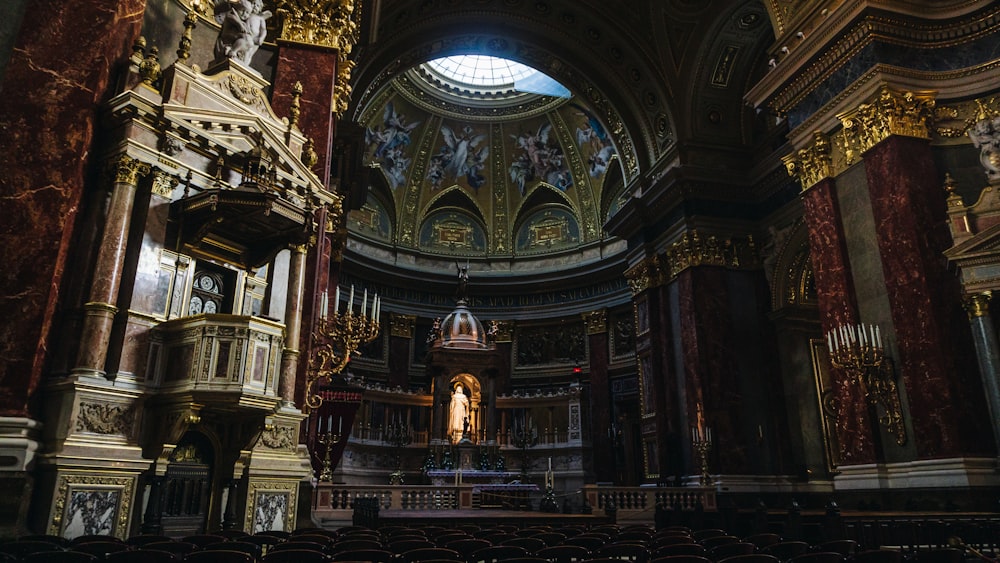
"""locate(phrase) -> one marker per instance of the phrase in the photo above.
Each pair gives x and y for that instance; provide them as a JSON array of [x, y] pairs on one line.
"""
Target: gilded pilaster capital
[[163, 183], [128, 170], [401, 325], [326, 23], [693, 250], [978, 304], [342, 87], [891, 113], [596, 321], [644, 274], [812, 163]]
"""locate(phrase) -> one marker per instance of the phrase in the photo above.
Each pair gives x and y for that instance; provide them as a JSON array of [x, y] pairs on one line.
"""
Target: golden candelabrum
[[701, 441], [858, 350], [336, 336], [328, 440]]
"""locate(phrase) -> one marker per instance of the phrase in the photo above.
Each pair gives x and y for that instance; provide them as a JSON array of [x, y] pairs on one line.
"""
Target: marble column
[[835, 290], [935, 359], [293, 326], [101, 306], [600, 394], [984, 336], [53, 80]]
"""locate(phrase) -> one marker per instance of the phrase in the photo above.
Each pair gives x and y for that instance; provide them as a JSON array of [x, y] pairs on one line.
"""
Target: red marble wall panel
[[316, 69], [600, 406], [54, 80], [835, 291], [709, 368], [932, 337]]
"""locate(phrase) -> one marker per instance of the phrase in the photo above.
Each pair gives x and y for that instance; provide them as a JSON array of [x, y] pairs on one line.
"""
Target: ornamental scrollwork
[[279, 438], [105, 418]]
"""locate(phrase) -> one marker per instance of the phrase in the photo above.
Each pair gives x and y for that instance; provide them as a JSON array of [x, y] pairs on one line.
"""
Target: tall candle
[[364, 302], [550, 464], [350, 301], [336, 300], [340, 424]]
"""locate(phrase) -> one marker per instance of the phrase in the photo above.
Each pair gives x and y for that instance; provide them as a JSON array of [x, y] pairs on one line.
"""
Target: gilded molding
[[128, 170], [692, 250], [325, 23], [978, 305], [257, 489], [342, 87], [596, 321], [163, 183], [644, 275], [401, 325], [906, 114], [811, 164], [105, 418]]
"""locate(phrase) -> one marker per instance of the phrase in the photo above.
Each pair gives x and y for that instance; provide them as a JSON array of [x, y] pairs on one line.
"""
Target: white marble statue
[[458, 414], [244, 27]]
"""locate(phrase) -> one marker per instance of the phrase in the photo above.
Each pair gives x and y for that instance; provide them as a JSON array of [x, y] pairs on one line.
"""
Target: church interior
[[267, 261]]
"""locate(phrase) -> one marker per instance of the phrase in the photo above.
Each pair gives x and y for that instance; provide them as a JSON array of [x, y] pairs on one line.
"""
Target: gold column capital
[[812, 163], [401, 325], [596, 321], [163, 183], [324, 23], [644, 274], [128, 170], [978, 304], [907, 114]]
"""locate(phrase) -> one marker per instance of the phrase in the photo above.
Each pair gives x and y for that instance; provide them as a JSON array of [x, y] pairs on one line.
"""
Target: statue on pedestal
[[458, 414]]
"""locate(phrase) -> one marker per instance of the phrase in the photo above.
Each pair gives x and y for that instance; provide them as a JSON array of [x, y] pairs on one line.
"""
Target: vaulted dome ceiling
[[471, 165]]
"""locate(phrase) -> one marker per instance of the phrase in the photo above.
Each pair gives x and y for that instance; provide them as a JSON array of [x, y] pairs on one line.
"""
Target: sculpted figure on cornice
[[985, 135], [244, 27]]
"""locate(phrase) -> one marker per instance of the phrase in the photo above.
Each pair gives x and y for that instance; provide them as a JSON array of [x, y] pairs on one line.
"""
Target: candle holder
[[858, 350], [398, 436], [327, 439], [336, 337], [701, 441], [524, 438]]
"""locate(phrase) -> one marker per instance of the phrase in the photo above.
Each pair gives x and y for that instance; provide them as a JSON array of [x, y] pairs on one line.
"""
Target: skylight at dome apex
[[492, 72]]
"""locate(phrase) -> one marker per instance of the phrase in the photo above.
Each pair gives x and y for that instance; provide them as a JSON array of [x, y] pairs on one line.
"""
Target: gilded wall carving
[[105, 418]]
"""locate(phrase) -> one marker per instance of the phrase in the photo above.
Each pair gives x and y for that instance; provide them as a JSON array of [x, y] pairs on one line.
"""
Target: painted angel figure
[[461, 145], [244, 27]]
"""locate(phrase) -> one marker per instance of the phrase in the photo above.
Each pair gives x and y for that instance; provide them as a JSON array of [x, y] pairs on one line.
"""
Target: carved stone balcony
[[222, 361]]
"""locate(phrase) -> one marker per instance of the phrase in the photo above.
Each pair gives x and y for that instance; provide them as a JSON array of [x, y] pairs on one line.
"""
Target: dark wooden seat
[[708, 533], [373, 555], [469, 546], [551, 538], [142, 556], [731, 550], [355, 544], [88, 538], [531, 545], [59, 557], [763, 540], [219, 556], [624, 551], [21, 548], [589, 542], [564, 553], [878, 556], [430, 554], [671, 539], [252, 549], [818, 557], [146, 539], [301, 545], [407, 545], [681, 559], [680, 549], [786, 550], [715, 541], [295, 556], [497, 553], [751, 558], [201, 540], [175, 547], [58, 540], [232, 534], [101, 548]]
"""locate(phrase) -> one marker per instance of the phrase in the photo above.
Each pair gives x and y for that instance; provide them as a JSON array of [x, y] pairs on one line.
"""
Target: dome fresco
[[479, 185]]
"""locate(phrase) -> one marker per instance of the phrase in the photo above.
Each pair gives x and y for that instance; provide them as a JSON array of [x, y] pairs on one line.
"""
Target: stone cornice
[[800, 68]]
